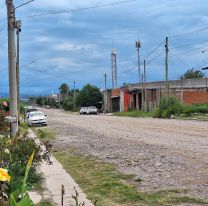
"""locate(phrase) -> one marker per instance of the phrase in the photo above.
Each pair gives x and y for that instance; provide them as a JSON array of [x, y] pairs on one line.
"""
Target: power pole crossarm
[[12, 66]]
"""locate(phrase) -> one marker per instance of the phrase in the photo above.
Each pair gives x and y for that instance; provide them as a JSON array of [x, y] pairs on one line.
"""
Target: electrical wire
[[182, 61], [154, 50], [178, 36], [52, 76], [153, 59], [2, 28], [188, 45], [79, 9], [24, 4], [193, 51]]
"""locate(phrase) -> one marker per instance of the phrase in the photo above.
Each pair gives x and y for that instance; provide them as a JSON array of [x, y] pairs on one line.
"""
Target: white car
[[83, 110], [36, 118], [92, 110]]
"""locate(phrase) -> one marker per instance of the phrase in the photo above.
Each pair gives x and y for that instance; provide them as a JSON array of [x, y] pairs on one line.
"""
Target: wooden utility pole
[[74, 97], [12, 68], [166, 66], [145, 93], [105, 81], [18, 28], [105, 95]]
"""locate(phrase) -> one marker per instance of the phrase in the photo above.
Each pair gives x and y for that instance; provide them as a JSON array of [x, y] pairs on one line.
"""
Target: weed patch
[[102, 182]]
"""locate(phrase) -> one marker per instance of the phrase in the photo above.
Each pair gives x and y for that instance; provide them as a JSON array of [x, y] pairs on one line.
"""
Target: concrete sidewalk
[[56, 176]]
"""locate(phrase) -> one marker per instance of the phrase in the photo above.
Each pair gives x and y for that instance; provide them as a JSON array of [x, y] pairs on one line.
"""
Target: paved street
[[164, 154]]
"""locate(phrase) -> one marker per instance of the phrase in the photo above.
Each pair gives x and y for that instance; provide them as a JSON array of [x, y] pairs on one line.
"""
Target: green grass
[[44, 134], [202, 117], [102, 182], [136, 113]]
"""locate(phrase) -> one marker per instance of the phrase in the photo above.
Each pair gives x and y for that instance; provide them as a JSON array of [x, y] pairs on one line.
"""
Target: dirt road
[[164, 154]]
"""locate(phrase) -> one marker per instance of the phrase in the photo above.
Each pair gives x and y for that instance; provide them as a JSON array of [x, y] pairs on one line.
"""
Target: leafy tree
[[64, 90], [68, 104], [90, 95], [192, 74], [71, 92], [49, 101]]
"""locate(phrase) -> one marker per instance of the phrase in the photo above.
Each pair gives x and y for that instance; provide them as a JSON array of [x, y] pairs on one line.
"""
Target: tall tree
[[192, 74], [64, 90], [90, 95]]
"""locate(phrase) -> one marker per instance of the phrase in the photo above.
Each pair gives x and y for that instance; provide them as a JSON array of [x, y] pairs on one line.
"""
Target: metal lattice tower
[[114, 68]]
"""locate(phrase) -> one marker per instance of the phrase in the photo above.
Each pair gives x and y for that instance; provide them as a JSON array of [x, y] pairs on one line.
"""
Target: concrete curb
[[56, 176]]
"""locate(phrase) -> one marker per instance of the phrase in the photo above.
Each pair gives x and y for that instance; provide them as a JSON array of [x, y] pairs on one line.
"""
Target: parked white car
[[36, 118], [28, 110], [92, 110], [83, 110]]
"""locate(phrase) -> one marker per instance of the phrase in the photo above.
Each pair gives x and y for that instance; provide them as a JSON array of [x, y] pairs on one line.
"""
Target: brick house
[[147, 96]]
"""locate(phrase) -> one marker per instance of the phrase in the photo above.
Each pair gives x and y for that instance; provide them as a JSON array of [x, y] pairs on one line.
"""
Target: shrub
[[168, 106], [22, 108], [14, 154], [196, 108], [68, 104]]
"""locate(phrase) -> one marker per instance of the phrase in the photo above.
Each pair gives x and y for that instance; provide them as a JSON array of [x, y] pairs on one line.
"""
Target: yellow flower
[[10, 142], [4, 176], [30, 160]]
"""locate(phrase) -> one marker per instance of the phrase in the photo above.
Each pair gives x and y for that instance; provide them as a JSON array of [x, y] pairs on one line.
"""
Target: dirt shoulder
[[164, 154]]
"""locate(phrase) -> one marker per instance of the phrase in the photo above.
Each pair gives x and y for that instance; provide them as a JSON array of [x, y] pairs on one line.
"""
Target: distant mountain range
[[3, 94], [23, 96]]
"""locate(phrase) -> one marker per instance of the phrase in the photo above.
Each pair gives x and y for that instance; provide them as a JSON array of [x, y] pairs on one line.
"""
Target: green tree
[[40, 101], [68, 104], [64, 90], [192, 74], [90, 95]]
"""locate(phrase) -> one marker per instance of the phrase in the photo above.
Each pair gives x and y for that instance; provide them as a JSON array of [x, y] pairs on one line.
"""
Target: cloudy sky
[[77, 45]]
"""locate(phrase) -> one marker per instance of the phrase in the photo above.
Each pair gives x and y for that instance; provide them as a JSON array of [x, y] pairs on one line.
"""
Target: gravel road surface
[[164, 154]]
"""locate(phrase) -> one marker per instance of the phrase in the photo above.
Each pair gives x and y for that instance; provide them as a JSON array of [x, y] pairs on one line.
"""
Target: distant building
[[132, 96]]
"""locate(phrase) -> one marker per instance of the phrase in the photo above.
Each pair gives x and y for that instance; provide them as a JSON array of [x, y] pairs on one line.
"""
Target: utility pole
[[74, 96], [138, 46], [105, 82], [166, 66], [12, 68], [105, 95], [145, 93], [18, 28]]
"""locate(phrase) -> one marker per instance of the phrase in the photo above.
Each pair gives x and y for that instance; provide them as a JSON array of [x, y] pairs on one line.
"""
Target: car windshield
[[33, 114], [31, 110], [93, 107]]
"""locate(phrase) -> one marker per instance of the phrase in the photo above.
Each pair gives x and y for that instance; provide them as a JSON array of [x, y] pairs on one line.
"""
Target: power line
[[154, 50], [154, 58], [52, 76], [178, 36], [182, 61], [188, 45], [193, 51], [24, 4], [79, 9], [2, 28]]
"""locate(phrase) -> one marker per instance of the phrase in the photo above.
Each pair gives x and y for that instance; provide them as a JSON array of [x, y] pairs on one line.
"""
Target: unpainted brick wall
[[195, 97]]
